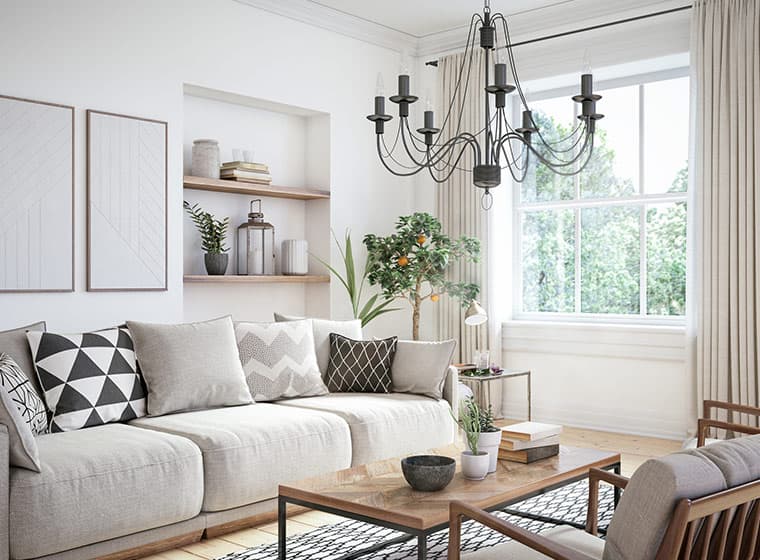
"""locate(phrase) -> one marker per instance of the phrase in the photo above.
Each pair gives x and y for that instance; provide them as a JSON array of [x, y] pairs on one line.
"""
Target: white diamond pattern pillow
[[88, 379], [360, 366], [279, 360]]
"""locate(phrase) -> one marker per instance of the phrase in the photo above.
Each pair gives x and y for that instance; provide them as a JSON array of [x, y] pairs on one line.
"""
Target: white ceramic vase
[[205, 161], [295, 257], [475, 467], [489, 442]]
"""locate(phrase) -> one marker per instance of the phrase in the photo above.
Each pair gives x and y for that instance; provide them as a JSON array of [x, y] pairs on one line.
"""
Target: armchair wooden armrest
[[704, 424], [458, 510], [594, 477]]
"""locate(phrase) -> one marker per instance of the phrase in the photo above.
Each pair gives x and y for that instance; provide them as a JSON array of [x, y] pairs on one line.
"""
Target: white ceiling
[[421, 18]]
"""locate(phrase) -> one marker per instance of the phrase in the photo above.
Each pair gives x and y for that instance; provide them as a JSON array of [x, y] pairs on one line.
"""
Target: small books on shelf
[[246, 172], [529, 441]]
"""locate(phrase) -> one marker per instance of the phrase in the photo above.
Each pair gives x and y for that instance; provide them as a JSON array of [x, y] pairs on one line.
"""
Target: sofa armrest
[[451, 390], [4, 492]]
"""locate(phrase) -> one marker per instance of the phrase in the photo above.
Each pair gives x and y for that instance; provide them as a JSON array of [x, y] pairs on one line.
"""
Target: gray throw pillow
[[360, 366], [420, 367], [279, 360], [322, 329], [18, 412], [190, 366], [13, 343]]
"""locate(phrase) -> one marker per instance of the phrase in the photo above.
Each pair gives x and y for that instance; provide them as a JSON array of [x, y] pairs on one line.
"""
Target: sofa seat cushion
[[575, 539], [386, 425], [249, 450], [101, 483]]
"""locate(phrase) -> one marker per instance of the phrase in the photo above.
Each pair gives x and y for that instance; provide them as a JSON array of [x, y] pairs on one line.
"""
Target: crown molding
[[548, 20], [339, 22]]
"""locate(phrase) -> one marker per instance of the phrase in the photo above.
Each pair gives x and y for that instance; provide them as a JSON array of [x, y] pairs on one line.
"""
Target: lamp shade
[[475, 315]]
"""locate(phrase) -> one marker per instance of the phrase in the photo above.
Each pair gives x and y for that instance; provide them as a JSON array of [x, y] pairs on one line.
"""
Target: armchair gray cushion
[[646, 507], [14, 343]]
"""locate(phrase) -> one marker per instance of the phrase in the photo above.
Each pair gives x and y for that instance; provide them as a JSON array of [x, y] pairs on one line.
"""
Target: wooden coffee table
[[378, 494]]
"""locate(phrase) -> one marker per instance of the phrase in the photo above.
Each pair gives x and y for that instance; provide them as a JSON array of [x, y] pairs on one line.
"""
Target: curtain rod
[[584, 29]]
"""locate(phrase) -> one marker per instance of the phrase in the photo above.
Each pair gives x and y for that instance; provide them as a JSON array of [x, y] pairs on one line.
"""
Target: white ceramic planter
[[475, 467], [295, 257], [489, 442]]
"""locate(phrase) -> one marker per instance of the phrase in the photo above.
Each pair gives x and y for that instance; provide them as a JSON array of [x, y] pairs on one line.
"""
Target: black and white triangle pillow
[[88, 379]]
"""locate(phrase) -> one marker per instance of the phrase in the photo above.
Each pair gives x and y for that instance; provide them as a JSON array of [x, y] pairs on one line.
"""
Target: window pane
[[613, 168], [666, 135], [610, 267], [548, 261], [555, 119], [666, 259]]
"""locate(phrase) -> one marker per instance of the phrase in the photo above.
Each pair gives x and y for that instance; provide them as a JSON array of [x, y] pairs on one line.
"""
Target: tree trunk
[[416, 312]]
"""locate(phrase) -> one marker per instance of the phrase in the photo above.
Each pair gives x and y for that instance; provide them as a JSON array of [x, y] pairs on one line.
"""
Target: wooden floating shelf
[[240, 187], [266, 279]]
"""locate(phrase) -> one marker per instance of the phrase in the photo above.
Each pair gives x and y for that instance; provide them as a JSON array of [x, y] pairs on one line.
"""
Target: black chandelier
[[498, 145]]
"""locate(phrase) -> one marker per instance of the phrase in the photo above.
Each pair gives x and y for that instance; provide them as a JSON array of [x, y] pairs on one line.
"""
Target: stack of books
[[247, 172], [529, 441]]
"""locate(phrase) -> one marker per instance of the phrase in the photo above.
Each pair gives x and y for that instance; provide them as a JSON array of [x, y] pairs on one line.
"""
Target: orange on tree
[[421, 238], [434, 297], [403, 260]]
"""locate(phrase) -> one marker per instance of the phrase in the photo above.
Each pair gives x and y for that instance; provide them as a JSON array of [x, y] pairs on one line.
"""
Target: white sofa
[[161, 481]]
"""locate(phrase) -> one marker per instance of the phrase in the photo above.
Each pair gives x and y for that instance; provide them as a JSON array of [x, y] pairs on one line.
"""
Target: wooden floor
[[634, 450]]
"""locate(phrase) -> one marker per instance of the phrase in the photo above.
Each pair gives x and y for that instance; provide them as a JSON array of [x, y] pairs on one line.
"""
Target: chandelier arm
[[406, 145], [559, 162], [454, 167], [390, 169], [555, 167], [416, 142], [389, 155], [469, 46], [515, 159], [451, 144], [523, 170]]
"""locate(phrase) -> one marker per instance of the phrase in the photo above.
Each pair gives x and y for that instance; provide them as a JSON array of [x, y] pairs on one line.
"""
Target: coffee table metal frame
[[420, 534]]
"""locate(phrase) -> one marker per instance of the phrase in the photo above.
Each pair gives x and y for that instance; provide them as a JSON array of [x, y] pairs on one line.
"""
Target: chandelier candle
[[497, 145]]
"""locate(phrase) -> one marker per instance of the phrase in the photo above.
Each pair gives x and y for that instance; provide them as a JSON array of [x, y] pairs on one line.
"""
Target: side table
[[481, 386]]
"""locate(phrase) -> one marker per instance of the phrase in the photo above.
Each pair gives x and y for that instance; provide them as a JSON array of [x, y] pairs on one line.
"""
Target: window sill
[[614, 340]]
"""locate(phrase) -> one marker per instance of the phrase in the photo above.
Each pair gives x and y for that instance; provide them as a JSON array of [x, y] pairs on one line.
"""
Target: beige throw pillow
[[322, 329], [420, 367], [190, 366]]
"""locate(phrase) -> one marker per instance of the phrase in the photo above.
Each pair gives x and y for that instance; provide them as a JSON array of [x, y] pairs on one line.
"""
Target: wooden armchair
[[676, 507], [707, 421]]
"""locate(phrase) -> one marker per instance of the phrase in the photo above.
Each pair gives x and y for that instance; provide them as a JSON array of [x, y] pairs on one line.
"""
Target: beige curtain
[[726, 184], [459, 209]]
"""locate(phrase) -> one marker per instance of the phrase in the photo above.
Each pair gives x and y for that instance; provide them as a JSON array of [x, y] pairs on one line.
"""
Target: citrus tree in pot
[[475, 461], [213, 234], [411, 263]]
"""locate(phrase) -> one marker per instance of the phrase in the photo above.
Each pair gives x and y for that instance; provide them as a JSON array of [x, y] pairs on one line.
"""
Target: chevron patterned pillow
[[279, 360], [360, 366]]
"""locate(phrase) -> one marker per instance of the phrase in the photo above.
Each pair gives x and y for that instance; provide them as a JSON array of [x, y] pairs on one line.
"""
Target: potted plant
[[411, 264], [475, 462], [213, 234], [354, 284], [490, 437]]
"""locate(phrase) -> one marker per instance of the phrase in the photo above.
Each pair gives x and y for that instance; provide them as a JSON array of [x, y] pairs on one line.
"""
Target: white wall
[[134, 57]]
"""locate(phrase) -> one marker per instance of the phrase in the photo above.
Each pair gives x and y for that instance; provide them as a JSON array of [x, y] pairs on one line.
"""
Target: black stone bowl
[[428, 473]]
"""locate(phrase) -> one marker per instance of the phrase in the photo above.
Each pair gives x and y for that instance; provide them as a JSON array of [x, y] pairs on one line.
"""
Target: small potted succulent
[[213, 234], [490, 437], [475, 461]]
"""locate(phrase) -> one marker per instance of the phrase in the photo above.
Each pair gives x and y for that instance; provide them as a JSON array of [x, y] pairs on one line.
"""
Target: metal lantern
[[255, 247]]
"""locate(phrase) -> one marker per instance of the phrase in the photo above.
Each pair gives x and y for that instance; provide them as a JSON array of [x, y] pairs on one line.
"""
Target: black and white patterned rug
[[330, 542]]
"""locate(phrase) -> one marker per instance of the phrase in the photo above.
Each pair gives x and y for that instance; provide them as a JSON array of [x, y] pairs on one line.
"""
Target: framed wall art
[[36, 196], [126, 203]]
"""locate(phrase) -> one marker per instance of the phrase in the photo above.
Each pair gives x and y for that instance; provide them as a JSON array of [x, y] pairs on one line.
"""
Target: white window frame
[[641, 200]]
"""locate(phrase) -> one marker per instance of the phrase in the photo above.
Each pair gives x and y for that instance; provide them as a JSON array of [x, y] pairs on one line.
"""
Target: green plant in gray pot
[[475, 461], [213, 234]]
